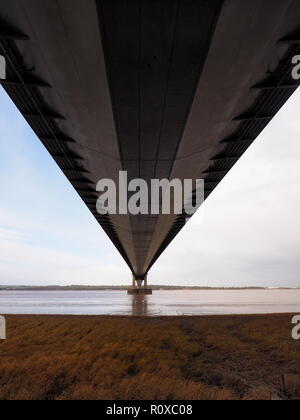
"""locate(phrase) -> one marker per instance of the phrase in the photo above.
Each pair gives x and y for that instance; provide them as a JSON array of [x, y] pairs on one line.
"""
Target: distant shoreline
[[122, 288]]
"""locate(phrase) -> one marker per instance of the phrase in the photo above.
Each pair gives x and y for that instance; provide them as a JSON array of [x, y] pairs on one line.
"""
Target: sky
[[246, 234]]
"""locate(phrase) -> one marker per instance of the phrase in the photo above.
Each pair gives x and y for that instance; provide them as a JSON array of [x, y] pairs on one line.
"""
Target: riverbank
[[97, 357]]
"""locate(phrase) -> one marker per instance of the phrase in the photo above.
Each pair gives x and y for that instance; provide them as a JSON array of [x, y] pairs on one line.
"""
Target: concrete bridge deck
[[161, 89]]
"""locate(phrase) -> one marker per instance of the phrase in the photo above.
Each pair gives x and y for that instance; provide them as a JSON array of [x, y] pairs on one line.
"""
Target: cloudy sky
[[246, 234]]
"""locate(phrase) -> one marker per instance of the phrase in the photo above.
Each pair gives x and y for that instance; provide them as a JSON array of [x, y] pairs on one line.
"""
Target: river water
[[175, 302]]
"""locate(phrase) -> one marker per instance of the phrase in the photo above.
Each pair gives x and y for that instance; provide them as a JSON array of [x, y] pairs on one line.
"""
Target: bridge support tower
[[139, 286]]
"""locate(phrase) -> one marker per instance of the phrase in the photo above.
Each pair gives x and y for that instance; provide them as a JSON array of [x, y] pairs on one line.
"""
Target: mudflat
[[164, 358]]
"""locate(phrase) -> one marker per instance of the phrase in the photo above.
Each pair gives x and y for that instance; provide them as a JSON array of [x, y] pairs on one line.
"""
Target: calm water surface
[[179, 302]]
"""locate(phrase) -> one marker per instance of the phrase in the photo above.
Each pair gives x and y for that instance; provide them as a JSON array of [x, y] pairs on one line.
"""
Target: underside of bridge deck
[[161, 89]]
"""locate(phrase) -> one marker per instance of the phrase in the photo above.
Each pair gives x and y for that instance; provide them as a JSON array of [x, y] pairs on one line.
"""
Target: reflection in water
[[139, 305]]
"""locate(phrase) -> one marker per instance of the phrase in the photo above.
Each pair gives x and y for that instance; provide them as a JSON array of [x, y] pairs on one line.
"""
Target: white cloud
[[23, 262]]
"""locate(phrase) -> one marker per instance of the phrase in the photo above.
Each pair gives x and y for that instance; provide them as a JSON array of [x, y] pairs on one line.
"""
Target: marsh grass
[[185, 358]]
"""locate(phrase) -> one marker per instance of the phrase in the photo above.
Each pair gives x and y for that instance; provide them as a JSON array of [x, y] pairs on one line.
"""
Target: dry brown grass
[[186, 358]]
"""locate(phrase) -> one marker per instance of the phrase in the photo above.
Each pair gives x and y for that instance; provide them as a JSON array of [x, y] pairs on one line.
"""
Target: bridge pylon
[[139, 285]]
